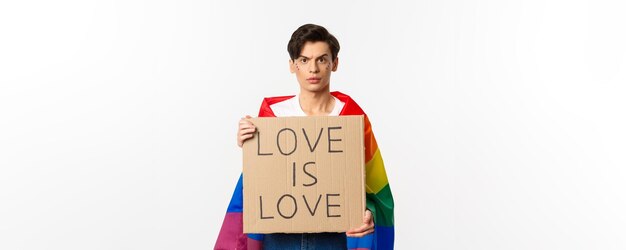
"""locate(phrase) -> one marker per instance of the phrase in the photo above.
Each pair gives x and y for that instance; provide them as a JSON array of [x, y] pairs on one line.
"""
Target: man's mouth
[[314, 79]]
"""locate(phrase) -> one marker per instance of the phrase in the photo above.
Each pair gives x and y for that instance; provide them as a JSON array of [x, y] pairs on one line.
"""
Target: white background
[[501, 122]]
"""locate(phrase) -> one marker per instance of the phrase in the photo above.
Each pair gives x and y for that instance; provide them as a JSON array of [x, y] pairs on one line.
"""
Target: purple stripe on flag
[[231, 235]]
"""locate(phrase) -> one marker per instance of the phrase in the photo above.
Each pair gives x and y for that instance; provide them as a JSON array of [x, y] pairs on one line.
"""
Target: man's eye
[[322, 60], [303, 60]]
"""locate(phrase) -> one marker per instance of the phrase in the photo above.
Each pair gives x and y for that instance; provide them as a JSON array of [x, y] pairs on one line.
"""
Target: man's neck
[[316, 103]]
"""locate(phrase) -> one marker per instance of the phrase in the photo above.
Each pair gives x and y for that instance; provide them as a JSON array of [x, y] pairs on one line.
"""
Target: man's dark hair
[[311, 33]]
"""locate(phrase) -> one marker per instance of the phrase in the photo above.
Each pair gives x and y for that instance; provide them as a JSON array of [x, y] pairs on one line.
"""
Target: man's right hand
[[246, 130]]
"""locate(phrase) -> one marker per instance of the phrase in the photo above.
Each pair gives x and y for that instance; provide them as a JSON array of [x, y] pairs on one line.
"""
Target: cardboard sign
[[304, 174]]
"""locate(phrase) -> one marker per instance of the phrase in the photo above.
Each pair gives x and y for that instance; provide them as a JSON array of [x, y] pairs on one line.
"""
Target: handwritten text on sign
[[304, 174]]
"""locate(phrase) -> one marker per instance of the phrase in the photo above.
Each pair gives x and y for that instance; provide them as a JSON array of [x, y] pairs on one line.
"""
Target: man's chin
[[314, 87]]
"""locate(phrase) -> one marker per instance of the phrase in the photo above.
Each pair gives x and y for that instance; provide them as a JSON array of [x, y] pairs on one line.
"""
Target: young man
[[313, 52]]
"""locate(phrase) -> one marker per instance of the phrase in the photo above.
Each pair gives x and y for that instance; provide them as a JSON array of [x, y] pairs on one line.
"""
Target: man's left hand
[[365, 229]]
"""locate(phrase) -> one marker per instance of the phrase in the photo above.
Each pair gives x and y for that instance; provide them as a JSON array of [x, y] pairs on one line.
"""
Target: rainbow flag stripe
[[379, 199]]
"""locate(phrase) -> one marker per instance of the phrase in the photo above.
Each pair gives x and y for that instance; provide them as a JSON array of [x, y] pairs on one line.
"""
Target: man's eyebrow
[[310, 58]]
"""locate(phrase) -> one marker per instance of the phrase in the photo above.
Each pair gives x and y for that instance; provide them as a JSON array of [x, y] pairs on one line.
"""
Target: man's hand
[[246, 130], [365, 229]]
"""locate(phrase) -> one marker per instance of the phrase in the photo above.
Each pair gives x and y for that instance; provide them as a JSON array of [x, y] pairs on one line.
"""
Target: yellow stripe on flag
[[375, 176]]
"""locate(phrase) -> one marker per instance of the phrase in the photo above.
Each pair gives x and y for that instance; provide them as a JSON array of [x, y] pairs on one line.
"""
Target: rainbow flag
[[378, 194]]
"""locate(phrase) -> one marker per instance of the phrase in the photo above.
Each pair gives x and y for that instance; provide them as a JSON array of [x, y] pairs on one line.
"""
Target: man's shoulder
[[269, 102], [276, 99], [350, 106]]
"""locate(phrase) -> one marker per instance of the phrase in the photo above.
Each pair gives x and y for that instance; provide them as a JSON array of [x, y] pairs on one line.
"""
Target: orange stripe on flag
[[370, 142]]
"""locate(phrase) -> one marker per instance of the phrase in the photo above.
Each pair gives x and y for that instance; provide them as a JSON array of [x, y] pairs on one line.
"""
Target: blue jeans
[[305, 241]]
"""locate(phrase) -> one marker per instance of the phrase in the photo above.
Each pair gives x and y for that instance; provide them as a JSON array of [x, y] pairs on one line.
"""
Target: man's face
[[314, 66]]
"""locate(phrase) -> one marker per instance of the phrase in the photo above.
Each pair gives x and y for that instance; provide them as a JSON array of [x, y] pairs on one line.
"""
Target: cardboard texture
[[304, 174]]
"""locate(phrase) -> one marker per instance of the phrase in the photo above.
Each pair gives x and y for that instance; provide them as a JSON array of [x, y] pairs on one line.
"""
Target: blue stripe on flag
[[236, 202]]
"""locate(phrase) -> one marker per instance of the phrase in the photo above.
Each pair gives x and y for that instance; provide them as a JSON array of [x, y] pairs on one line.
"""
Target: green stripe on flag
[[381, 205]]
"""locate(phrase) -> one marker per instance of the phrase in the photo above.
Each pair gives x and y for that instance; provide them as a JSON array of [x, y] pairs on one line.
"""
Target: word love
[[289, 213], [290, 134]]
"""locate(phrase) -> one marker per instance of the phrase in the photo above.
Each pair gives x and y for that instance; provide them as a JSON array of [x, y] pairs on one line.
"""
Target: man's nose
[[313, 68]]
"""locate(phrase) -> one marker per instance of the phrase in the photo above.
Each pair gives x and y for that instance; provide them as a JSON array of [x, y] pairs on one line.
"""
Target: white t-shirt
[[291, 107]]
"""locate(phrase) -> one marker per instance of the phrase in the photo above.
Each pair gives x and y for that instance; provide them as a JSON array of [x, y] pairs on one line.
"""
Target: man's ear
[[335, 64], [292, 67]]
